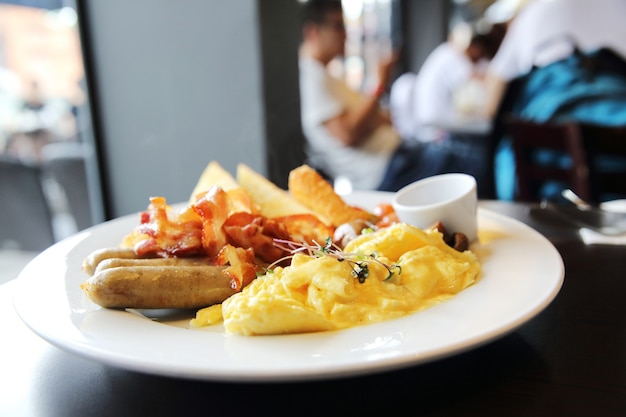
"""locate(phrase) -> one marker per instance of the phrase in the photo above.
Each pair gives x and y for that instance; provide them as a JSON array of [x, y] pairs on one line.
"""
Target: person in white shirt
[[428, 106], [348, 135], [543, 32], [538, 36]]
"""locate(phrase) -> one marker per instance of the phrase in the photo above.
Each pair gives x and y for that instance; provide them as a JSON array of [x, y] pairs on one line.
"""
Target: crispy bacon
[[241, 200], [213, 207], [218, 219], [247, 230], [242, 269], [306, 228], [165, 233]]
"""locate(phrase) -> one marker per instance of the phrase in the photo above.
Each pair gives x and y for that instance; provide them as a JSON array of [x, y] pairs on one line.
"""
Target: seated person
[[348, 135], [447, 89], [535, 38]]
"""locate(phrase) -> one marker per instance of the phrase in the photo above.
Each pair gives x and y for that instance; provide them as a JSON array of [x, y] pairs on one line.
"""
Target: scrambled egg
[[408, 269]]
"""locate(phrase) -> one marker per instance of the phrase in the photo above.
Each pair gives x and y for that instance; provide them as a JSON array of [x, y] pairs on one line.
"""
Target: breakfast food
[[148, 285], [271, 200], [135, 262], [213, 174], [307, 186], [411, 270], [94, 258], [266, 260]]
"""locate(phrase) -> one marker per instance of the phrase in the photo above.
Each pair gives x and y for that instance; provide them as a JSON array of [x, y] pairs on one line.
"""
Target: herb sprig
[[358, 262]]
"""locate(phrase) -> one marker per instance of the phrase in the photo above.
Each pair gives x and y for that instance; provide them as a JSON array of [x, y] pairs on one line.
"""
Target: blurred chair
[[590, 159], [605, 148], [548, 154], [64, 162], [25, 217]]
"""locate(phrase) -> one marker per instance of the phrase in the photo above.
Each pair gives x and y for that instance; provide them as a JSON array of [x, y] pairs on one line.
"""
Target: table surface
[[570, 360]]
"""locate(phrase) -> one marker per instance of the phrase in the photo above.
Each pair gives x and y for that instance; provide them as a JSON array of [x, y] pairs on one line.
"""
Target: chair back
[[548, 153], [605, 147], [25, 216], [588, 158], [588, 86]]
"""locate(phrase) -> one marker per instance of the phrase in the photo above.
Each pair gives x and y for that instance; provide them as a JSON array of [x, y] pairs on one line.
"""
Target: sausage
[[128, 262], [91, 262], [148, 286]]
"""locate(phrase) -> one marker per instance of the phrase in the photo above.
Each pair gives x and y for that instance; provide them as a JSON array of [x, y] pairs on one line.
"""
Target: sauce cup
[[447, 198]]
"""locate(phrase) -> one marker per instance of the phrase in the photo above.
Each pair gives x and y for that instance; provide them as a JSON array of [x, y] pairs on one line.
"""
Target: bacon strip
[[168, 234], [213, 208], [224, 227], [247, 230], [242, 269]]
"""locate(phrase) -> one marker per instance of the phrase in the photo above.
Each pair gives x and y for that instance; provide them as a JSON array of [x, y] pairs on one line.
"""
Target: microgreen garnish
[[359, 262]]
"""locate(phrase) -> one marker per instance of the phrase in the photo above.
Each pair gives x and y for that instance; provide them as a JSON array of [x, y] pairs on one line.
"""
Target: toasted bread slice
[[308, 187], [271, 200], [213, 174]]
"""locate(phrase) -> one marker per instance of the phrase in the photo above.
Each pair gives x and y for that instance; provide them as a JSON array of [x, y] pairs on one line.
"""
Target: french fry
[[308, 187]]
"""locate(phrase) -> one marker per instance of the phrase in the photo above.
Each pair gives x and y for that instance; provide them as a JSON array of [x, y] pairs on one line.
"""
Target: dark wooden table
[[570, 360]]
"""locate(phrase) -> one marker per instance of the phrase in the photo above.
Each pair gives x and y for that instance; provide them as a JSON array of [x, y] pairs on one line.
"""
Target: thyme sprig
[[358, 262]]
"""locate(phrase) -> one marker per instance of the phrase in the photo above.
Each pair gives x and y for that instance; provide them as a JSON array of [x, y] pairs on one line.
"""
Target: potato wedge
[[272, 201], [213, 174], [308, 187]]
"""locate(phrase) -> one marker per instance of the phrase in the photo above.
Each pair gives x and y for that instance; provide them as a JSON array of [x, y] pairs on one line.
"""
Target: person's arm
[[494, 87], [354, 125]]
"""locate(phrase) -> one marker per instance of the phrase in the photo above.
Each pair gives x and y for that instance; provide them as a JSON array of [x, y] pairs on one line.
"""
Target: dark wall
[[424, 27], [280, 38]]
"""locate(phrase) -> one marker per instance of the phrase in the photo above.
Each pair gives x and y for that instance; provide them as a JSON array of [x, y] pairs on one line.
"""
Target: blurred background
[[106, 103]]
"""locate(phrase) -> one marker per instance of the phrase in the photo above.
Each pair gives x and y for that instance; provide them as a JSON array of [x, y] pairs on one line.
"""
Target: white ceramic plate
[[522, 273]]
